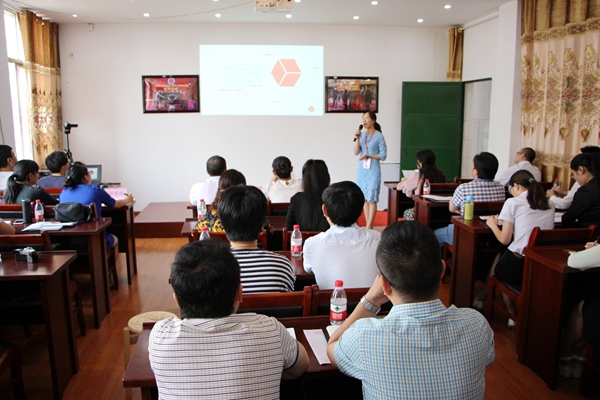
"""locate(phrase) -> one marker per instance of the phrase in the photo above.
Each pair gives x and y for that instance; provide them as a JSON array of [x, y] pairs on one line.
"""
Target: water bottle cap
[[339, 283], [426, 180], [38, 201], [201, 200], [296, 227], [204, 229], [469, 198]]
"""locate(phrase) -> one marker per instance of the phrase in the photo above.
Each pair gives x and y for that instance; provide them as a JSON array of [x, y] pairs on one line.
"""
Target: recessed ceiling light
[[74, 15], [288, 15], [146, 15], [374, 3], [356, 17], [297, 1], [420, 20], [218, 15], [447, 6]]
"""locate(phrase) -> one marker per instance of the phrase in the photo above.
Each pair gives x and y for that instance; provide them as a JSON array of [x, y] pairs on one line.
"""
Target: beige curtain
[[560, 72], [44, 104], [455, 54]]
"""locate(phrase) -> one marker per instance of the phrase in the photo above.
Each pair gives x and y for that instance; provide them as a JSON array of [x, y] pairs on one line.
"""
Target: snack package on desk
[[27, 255]]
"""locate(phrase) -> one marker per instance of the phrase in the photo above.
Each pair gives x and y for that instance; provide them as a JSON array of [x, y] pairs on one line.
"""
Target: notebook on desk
[[116, 193]]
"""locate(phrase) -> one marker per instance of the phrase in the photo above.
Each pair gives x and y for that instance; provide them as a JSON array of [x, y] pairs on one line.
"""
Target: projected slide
[[261, 80]]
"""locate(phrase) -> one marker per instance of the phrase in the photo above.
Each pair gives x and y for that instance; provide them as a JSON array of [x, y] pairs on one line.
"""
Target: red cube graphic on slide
[[286, 72]]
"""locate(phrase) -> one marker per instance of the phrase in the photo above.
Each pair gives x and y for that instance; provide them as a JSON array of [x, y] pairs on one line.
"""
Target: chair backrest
[[321, 297], [550, 237], [16, 211], [262, 238], [443, 188], [286, 236], [487, 207], [278, 305], [277, 209], [39, 241], [461, 180]]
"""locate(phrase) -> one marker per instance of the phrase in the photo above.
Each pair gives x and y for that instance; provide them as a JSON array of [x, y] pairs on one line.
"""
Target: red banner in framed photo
[[170, 93]]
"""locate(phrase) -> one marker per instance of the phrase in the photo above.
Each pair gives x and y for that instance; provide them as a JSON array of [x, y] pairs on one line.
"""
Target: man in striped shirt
[[243, 211], [212, 352], [421, 349]]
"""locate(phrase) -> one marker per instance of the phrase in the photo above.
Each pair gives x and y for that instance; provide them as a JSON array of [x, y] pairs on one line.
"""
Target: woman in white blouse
[[282, 186]]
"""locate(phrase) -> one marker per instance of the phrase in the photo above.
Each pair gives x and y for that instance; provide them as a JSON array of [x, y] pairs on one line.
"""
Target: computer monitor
[[96, 173]]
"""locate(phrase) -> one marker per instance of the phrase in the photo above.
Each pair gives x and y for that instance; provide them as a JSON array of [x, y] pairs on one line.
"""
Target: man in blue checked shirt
[[421, 349]]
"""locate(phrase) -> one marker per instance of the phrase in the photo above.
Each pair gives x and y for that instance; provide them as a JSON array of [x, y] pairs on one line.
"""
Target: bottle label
[[296, 248], [337, 312]]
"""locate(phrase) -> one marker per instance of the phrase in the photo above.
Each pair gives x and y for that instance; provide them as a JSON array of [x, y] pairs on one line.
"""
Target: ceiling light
[[146, 15], [447, 6], [218, 15], [420, 20], [374, 3], [74, 15], [288, 15], [297, 1], [356, 17]]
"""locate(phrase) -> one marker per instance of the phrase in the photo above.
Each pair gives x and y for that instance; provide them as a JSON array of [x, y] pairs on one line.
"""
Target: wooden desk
[[397, 202], [546, 277], [140, 375], [89, 240], [434, 214], [161, 220], [52, 274], [303, 278], [123, 228], [469, 238], [277, 222]]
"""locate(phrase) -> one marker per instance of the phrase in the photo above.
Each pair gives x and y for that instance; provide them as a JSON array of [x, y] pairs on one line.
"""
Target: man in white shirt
[[207, 189], [8, 159], [523, 160], [346, 251]]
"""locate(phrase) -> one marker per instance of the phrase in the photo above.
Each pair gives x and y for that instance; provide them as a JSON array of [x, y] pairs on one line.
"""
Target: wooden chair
[[320, 305], [277, 209], [278, 305], [539, 237], [262, 238], [112, 255], [442, 188], [10, 357], [461, 180], [286, 236]]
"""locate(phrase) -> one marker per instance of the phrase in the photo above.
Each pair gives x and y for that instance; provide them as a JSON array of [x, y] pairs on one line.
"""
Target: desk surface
[[139, 374], [81, 229], [49, 263], [163, 212]]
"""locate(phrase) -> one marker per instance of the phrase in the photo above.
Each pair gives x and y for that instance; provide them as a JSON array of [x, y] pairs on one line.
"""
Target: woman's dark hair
[[373, 116], [282, 167], [536, 197], [315, 179], [20, 173], [428, 168], [591, 162], [229, 178], [75, 174]]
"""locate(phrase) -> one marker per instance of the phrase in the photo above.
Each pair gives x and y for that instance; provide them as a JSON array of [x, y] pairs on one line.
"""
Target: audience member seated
[[585, 209], [482, 188], [305, 207], [421, 349], [523, 159], [207, 189], [527, 209], [211, 220], [6, 229], [79, 189], [346, 251], [243, 211], [427, 170], [8, 159], [21, 185], [282, 186], [57, 162], [562, 200], [212, 351]]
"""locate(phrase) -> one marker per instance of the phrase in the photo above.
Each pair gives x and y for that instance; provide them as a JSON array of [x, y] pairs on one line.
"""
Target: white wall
[[480, 47], [158, 157]]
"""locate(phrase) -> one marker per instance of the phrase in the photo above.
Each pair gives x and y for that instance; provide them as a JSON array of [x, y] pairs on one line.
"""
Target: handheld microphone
[[359, 128]]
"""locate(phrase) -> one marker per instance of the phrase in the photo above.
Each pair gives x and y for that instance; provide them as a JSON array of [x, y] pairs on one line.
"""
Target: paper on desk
[[408, 172], [318, 344], [485, 217], [292, 332], [47, 226], [558, 217], [434, 197]]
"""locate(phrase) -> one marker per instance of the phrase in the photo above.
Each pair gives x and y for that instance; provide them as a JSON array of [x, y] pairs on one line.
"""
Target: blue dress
[[369, 180]]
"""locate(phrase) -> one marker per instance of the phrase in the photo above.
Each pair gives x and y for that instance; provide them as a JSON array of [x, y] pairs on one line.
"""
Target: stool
[[132, 331]]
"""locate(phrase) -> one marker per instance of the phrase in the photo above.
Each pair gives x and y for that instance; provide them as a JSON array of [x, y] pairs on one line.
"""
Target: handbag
[[72, 212]]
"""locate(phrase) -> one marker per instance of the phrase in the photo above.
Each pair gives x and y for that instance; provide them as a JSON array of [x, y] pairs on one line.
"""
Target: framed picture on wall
[[170, 93], [351, 94]]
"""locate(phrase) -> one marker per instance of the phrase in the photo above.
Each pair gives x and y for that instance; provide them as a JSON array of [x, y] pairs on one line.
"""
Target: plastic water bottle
[[556, 184], [201, 208], [469, 208], [38, 211], [204, 234], [339, 301], [296, 242], [426, 187]]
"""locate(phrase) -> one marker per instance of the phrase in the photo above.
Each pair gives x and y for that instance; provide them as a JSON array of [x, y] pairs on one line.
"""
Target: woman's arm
[[503, 235], [46, 198], [6, 229], [357, 142], [585, 259], [581, 202], [124, 201]]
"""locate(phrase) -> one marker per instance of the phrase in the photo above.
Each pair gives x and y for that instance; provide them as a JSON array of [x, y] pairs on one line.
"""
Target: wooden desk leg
[[392, 206], [149, 393], [544, 313], [99, 276], [463, 268], [62, 348], [130, 246]]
